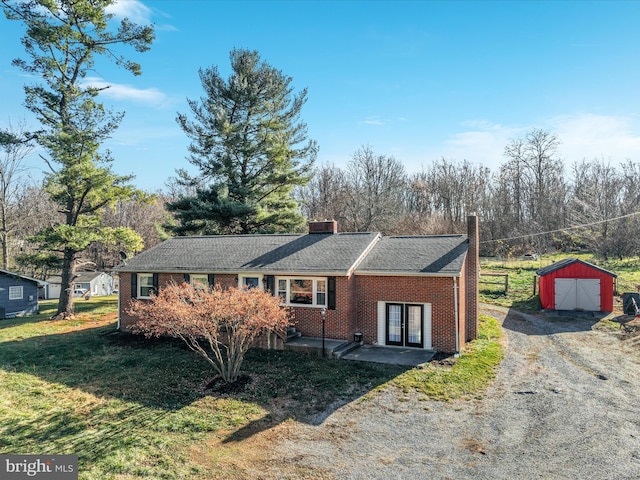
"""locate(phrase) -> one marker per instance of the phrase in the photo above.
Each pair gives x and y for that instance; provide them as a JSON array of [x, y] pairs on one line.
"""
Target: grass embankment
[[522, 273], [468, 376], [134, 409]]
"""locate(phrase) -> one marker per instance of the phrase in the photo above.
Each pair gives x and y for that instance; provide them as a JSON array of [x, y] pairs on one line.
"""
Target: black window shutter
[[155, 283], [134, 285], [211, 278], [271, 284], [187, 278], [331, 293]]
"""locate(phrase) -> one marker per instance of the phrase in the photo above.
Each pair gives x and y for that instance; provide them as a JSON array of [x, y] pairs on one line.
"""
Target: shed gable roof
[[23, 277], [565, 262], [299, 253], [416, 255]]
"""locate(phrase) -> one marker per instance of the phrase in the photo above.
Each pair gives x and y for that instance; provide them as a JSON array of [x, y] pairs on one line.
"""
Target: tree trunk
[[5, 250], [65, 304], [4, 234]]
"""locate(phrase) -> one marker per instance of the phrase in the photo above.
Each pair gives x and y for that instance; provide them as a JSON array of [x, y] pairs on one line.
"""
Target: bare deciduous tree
[[15, 147], [325, 195], [375, 192]]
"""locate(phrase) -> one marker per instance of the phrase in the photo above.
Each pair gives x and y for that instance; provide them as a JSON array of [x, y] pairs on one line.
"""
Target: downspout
[[455, 314], [118, 327], [119, 291]]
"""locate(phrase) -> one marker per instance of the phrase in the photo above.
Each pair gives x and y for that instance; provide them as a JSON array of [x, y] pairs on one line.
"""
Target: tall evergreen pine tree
[[251, 150]]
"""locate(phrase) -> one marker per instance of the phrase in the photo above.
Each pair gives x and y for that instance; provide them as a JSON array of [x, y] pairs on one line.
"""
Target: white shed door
[[577, 294]]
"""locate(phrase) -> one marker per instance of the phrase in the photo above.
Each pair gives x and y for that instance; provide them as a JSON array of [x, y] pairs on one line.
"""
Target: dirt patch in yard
[[564, 404]]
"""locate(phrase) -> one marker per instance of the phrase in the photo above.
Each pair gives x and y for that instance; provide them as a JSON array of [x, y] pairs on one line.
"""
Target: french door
[[404, 325]]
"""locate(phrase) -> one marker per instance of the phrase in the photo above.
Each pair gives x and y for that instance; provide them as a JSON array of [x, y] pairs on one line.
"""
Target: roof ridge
[[451, 235]]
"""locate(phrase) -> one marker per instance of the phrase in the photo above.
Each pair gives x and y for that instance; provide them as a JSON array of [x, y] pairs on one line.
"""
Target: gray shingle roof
[[316, 253], [565, 262], [418, 255]]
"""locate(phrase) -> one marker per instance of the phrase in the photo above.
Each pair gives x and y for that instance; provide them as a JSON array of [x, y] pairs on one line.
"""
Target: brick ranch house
[[411, 291]]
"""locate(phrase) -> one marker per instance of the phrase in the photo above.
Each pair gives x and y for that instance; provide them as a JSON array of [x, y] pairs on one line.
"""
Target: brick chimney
[[473, 276], [325, 226]]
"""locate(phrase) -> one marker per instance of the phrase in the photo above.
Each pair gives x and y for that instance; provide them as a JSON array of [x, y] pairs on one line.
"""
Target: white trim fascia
[[276, 273], [363, 255], [407, 274]]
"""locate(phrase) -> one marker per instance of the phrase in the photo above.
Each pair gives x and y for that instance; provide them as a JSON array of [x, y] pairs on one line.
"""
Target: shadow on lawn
[[159, 378]]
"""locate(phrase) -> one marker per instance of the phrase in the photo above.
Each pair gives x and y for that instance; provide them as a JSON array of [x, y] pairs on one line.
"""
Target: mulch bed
[[218, 385]]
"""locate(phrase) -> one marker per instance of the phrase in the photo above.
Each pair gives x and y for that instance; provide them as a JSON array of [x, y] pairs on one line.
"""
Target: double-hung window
[[298, 291], [199, 281], [145, 285]]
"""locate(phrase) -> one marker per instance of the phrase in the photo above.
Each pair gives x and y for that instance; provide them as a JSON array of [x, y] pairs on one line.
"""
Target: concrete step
[[314, 345], [292, 333], [345, 349]]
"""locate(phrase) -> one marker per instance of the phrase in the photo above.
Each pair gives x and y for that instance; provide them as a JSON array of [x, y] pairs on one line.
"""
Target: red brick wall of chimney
[[326, 226], [473, 276]]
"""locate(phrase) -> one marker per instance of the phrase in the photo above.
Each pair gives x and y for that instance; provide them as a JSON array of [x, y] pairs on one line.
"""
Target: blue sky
[[415, 80]]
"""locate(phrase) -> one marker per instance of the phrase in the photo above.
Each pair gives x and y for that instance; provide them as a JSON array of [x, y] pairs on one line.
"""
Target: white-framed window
[[145, 285], [199, 281], [301, 291], [282, 289], [15, 292], [250, 281]]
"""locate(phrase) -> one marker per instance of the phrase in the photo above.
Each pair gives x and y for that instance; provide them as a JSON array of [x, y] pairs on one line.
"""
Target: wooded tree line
[[255, 167], [533, 192]]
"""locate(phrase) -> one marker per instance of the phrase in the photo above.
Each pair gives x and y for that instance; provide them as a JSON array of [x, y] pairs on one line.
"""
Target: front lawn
[[140, 409]]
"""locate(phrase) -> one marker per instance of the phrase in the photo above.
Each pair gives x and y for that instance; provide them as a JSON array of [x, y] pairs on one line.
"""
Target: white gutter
[[455, 308], [405, 273]]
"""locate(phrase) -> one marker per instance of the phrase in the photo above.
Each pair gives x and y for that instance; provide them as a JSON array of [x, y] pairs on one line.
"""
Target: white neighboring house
[[95, 283]]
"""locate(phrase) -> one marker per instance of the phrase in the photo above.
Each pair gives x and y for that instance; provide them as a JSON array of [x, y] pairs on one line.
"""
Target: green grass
[[133, 409], [522, 272], [468, 376], [138, 409]]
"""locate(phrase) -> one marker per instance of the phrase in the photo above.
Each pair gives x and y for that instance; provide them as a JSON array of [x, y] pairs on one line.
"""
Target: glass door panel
[[394, 324], [414, 326]]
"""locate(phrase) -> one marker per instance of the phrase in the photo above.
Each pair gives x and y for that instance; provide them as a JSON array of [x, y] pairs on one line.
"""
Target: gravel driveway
[[565, 404]]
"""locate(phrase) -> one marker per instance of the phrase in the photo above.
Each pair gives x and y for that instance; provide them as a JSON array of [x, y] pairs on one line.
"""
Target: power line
[[585, 225]]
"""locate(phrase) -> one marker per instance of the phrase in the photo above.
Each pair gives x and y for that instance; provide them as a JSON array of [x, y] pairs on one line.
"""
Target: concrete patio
[[410, 357], [344, 350]]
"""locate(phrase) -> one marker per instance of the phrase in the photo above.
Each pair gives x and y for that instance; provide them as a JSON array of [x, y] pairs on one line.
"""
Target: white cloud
[[589, 136], [482, 143], [372, 121], [582, 136], [151, 96], [134, 10]]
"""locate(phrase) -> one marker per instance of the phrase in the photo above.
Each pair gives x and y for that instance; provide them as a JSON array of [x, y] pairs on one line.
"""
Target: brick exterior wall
[[472, 269], [438, 291], [339, 324], [126, 320], [357, 297]]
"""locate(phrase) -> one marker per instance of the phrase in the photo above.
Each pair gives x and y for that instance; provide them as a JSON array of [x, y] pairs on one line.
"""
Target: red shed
[[573, 284]]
